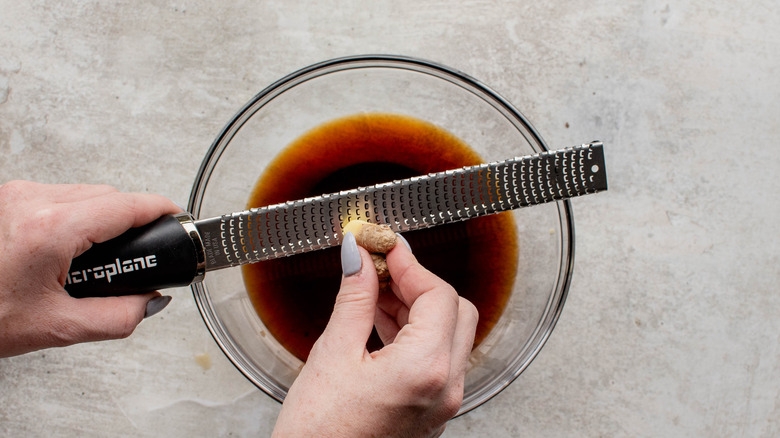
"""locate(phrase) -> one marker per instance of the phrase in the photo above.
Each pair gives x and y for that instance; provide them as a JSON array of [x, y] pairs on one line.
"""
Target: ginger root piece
[[382, 273], [374, 238], [378, 240], [380, 263]]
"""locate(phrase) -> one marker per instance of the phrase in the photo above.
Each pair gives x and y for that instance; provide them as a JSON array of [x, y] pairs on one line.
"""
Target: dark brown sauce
[[294, 296]]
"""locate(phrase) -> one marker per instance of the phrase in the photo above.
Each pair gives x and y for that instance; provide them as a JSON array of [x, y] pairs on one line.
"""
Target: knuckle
[[73, 329], [353, 295], [352, 302], [123, 327], [124, 330], [431, 379], [32, 222], [434, 390], [468, 309], [108, 188], [14, 187], [451, 404], [120, 329], [44, 218], [448, 291], [37, 227], [13, 191]]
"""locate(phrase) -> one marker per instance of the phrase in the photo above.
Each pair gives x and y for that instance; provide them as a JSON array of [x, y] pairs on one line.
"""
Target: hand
[[42, 228], [410, 387]]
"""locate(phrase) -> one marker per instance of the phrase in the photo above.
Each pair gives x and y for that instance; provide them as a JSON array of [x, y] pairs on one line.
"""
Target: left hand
[[42, 228]]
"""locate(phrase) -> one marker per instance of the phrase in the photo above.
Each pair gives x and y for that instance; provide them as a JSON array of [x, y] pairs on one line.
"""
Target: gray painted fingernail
[[156, 304], [405, 242], [350, 256]]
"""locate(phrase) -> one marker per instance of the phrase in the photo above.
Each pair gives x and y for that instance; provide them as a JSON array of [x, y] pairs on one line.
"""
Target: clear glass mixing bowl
[[384, 84]]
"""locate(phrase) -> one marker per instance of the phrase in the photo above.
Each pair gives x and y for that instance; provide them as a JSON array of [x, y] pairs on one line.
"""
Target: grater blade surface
[[420, 202]]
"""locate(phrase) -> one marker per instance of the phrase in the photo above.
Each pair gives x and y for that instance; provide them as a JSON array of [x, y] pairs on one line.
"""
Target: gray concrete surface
[[671, 327]]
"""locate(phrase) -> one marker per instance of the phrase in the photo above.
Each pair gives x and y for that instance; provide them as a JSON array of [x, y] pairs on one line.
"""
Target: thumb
[[97, 319], [352, 320]]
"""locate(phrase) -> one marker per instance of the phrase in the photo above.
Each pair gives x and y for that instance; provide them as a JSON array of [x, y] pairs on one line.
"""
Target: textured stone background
[[671, 327]]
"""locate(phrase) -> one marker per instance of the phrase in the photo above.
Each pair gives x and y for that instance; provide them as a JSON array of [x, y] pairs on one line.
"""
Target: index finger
[[62, 193], [432, 302], [101, 218], [410, 279]]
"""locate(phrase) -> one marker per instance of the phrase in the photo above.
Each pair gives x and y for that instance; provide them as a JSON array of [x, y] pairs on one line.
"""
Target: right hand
[[410, 387]]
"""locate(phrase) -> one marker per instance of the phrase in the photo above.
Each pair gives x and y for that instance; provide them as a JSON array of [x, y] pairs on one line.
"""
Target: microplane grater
[[177, 250], [410, 204]]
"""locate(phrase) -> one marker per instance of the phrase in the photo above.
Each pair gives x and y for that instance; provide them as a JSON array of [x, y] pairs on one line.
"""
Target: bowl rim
[[554, 307]]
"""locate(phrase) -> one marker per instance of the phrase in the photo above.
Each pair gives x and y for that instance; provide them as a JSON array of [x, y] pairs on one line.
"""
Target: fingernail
[[180, 206], [405, 242], [350, 256], [156, 304]]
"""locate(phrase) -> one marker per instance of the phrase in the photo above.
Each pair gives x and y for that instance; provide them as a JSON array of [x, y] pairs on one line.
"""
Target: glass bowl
[[447, 98]]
